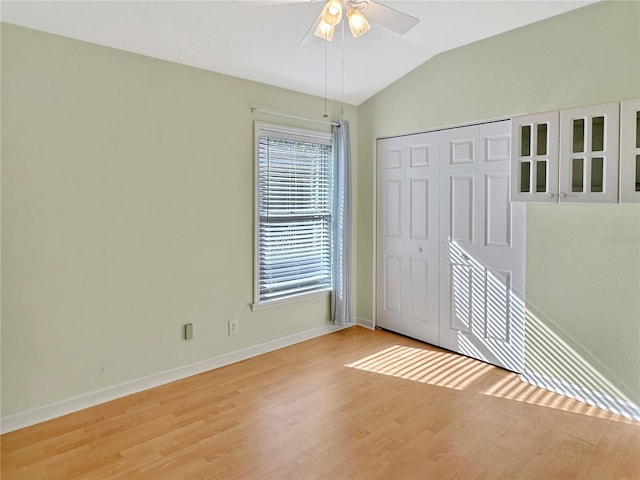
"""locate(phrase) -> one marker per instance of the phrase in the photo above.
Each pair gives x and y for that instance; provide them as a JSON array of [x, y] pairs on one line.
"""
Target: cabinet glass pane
[[541, 140], [577, 175], [597, 174], [637, 173], [541, 176], [525, 177], [637, 129], [578, 135], [597, 134], [525, 141]]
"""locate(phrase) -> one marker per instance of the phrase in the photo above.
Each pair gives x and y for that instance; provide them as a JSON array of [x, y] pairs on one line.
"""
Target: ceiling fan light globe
[[332, 12], [324, 31], [358, 24]]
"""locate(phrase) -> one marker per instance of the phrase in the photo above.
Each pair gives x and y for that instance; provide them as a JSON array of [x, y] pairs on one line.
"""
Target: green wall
[[582, 290], [127, 211], [583, 295]]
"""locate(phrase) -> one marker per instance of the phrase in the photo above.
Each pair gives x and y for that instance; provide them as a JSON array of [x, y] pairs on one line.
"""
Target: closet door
[[482, 247], [407, 236], [391, 170]]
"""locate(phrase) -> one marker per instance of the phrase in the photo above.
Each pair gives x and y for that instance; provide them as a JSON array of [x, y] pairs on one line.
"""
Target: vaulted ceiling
[[260, 40]]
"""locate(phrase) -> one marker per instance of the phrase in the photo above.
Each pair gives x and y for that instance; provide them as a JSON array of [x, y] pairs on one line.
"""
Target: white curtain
[[341, 295]]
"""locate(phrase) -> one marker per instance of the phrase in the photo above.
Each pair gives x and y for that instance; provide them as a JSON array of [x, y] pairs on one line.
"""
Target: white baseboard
[[364, 322], [64, 407], [620, 406]]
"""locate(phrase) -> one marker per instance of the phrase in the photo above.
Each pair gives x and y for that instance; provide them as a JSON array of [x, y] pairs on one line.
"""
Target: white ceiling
[[260, 40]]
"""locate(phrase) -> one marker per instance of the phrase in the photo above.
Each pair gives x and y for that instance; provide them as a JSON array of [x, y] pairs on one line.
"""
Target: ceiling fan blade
[[390, 18], [309, 37]]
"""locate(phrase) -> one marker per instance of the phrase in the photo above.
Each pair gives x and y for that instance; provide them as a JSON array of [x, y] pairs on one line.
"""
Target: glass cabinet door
[[534, 157], [589, 154], [630, 151]]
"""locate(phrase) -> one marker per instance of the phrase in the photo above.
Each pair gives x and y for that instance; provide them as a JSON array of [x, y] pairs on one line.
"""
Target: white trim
[[291, 299], [291, 133], [365, 322], [451, 127], [620, 406], [295, 117], [70, 405], [277, 131]]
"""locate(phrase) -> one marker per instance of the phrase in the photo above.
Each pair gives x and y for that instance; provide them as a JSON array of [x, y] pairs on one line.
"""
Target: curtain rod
[[295, 117]]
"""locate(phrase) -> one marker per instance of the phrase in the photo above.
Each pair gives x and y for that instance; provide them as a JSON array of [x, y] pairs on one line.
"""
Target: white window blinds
[[294, 213]]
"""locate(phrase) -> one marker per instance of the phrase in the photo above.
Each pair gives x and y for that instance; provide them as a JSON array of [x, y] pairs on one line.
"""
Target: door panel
[[461, 298], [482, 250], [390, 256], [421, 245], [462, 150], [408, 195], [461, 212], [393, 155], [497, 211], [419, 283], [393, 208], [498, 305], [420, 155], [392, 285], [419, 209]]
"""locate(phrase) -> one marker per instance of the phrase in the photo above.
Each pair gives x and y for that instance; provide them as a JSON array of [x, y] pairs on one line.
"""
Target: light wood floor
[[353, 404]]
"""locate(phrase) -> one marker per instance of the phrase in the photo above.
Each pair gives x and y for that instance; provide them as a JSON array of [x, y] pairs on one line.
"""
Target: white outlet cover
[[233, 327]]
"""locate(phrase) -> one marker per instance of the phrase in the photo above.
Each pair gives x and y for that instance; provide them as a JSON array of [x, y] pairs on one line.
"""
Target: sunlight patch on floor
[[450, 370], [425, 366], [513, 388]]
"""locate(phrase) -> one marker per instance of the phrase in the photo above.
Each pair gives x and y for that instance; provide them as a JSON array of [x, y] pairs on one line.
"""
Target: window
[[294, 206]]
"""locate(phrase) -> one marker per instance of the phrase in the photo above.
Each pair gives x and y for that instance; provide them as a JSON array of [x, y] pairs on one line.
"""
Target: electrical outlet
[[188, 331], [233, 327]]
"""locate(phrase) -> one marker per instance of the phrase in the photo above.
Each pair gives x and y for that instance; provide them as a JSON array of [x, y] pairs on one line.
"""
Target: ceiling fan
[[359, 13]]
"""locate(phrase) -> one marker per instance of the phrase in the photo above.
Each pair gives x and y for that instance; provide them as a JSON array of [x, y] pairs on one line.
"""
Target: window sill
[[292, 299]]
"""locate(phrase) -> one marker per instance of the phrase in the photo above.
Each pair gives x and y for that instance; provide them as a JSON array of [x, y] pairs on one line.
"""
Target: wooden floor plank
[[354, 404]]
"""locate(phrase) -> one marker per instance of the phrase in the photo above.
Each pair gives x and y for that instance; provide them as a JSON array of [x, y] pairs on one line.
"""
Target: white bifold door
[[450, 244], [407, 261]]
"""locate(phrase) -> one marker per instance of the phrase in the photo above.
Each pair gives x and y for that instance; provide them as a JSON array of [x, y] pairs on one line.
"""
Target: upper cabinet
[[630, 151], [589, 141], [534, 158], [587, 154]]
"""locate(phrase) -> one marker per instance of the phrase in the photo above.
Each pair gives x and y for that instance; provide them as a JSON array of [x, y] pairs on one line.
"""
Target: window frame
[[262, 129]]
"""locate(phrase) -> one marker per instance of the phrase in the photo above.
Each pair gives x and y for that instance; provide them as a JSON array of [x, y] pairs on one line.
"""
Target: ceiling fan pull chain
[[325, 81], [342, 92]]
